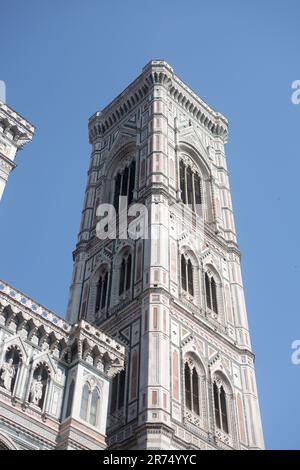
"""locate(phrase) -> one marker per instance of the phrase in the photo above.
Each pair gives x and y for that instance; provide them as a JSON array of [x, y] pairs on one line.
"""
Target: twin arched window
[[124, 185], [102, 288], [90, 402], [211, 293], [187, 275], [220, 408], [194, 395], [125, 274], [190, 186], [191, 382]]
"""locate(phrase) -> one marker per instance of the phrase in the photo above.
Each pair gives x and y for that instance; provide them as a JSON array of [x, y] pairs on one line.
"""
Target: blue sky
[[64, 60]]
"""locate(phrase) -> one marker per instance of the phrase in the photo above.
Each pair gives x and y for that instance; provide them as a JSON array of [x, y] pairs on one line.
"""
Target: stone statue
[[37, 390], [7, 374]]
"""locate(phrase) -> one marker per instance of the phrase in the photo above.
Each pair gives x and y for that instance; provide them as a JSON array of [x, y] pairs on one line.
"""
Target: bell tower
[[166, 280]]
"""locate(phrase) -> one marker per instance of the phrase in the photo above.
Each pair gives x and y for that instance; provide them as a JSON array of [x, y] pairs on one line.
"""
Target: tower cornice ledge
[[14, 127], [157, 72]]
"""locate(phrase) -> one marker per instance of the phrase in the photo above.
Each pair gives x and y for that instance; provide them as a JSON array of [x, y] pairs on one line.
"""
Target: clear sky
[[64, 60]]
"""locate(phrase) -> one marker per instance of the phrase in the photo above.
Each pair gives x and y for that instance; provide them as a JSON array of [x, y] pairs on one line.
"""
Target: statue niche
[[39, 385], [9, 369]]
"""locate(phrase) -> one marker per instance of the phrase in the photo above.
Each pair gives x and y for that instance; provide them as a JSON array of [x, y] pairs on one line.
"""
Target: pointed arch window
[[124, 184], [187, 281], [84, 402], [90, 404], [211, 293], [220, 408], [125, 274], [190, 186], [95, 399], [191, 383], [101, 293]]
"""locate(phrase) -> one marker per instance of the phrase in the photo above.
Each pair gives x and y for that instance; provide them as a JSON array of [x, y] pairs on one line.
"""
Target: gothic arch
[[118, 155], [119, 161], [192, 356], [123, 272], [100, 289], [6, 443], [213, 292], [224, 414], [90, 406], [189, 274], [197, 158], [222, 377], [45, 360], [16, 342], [191, 158], [195, 386]]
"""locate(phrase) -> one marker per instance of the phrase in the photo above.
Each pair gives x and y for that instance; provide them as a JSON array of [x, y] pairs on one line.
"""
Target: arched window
[[70, 399], [101, 293], [90, 404], [211, 293], [39, 386], [190, 186], [191, 383], [124, 185], [95, 399], [125, 274], [187, 282], [84, 402], [220, 407], [10, 368], [117, 392]]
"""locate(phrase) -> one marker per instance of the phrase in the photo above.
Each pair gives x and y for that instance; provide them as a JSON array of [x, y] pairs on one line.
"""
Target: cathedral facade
[[156, 319]]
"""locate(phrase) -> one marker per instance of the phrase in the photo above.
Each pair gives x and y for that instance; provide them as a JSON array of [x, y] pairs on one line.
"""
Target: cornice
[[19, 302], [14, 127], [157, 72]]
